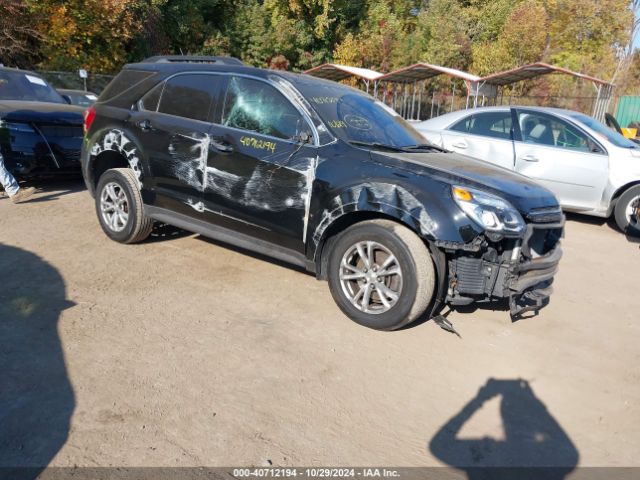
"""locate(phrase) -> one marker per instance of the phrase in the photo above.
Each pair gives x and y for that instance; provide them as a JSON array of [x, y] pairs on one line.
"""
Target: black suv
[[320, 175]]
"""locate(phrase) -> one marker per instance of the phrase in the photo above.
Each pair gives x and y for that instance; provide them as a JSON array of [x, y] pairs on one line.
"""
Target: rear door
[[484, 135], [176, 139], [259, 181], [562, 157]]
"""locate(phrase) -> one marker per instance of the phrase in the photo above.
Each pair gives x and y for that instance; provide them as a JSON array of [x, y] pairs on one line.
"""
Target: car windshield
[[81, 99], [613, 137], [26, 87], [355, 117]]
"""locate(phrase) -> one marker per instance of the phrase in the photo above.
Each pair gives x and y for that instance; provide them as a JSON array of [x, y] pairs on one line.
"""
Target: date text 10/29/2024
[[290, 472]]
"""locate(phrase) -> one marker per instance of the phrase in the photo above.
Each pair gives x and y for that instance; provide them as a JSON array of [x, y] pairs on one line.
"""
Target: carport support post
[[420, 98], [433, 101], [413, 100], [404, 101], [453, 96]]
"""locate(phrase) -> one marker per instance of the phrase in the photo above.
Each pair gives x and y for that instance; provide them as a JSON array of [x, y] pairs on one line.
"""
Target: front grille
[[545, 215], [61, 130]]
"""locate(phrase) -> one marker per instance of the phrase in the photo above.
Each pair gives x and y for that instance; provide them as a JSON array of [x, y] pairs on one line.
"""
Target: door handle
[[462, 145], [220, 145], [145, 125], [529, 158]]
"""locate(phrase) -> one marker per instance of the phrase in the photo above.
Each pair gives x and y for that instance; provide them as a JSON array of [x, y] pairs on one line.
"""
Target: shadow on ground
[[53, 188], [534, 445], [36, 397]]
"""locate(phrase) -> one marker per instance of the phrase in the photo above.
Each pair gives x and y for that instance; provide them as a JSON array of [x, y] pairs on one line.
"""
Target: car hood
[[40, 112], [522, 192]]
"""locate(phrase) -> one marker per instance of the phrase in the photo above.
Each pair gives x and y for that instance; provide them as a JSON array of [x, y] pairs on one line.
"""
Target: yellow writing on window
[[258, 143]]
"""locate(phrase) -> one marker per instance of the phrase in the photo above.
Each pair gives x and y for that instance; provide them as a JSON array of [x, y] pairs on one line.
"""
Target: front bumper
[[520, 271], [44, 151]]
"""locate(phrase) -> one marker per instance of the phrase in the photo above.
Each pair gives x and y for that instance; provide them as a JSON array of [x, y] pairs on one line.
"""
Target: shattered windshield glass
[[258, 107], [355, 117]]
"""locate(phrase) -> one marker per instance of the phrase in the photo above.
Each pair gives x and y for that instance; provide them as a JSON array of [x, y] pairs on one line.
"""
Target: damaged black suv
[[320, 175]]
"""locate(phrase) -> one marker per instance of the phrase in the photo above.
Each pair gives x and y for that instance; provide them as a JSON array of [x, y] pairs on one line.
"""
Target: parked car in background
[[629, 132], [322, 176], [78, 97], [590, 168], [40, 133]]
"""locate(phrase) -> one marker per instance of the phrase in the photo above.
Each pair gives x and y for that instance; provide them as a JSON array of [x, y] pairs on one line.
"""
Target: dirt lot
[[181, 351]]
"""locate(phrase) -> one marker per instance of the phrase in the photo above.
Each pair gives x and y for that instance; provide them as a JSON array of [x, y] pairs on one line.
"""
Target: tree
[[18, 35], [88, 34]]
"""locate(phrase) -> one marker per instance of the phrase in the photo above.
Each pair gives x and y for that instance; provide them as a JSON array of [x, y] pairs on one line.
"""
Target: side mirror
[[67, 99], [303, 137]]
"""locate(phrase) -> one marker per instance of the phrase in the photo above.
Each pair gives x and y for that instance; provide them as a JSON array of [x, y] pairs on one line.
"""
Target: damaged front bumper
[[520, 271]]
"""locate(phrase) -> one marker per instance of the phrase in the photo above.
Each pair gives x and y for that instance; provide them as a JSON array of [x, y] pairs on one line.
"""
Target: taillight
[[89, 117]]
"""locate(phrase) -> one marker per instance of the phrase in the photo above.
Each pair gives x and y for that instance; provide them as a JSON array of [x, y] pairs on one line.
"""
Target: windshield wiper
[[377, 145], [424, 146]]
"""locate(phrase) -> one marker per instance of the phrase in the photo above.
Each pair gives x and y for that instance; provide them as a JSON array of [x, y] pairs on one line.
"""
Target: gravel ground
[[182, 351]]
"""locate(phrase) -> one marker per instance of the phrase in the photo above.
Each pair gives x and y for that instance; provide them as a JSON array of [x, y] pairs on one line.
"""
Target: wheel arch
[[347, 220], [112, 148]]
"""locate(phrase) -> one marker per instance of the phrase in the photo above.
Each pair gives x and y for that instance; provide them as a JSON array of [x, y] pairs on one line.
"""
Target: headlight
[[16, 127], [491, 212]]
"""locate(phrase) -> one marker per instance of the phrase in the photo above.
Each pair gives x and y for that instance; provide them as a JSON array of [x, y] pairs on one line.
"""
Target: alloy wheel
[[371, 277], [114, 207]]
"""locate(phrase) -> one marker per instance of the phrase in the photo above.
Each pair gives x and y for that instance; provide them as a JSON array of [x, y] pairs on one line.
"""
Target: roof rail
[[193, 59]]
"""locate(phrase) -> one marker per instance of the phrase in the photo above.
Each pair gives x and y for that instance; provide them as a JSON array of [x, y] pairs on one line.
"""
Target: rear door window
[[463, 125], [189, 96], [492, 124], [258, 107], [151, 99]]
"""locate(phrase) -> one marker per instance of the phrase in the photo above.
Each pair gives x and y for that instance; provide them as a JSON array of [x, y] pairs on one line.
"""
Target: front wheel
[[627, 212], [119, 207], [381, 274]]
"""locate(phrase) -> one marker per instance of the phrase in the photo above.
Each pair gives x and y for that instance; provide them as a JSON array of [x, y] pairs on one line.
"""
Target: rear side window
[[463, 125], [258, 107], [152, 98], [125, 80], [189, 96]]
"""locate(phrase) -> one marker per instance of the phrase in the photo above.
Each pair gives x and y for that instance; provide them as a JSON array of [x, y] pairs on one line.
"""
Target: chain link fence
[[94, 83]]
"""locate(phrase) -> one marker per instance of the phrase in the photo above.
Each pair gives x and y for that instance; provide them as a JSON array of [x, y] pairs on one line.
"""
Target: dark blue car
[[40, 133]]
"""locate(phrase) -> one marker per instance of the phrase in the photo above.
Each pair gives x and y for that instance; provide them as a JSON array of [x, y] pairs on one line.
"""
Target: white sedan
[[590, 168]]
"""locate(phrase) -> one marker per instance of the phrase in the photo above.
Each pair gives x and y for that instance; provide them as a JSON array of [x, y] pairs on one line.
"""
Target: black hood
[[40, 112], [522, 192]]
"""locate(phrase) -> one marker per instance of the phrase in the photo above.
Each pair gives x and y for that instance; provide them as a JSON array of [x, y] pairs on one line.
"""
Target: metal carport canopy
[[424, 71], [533, 70], [603, 88], [335, 72]]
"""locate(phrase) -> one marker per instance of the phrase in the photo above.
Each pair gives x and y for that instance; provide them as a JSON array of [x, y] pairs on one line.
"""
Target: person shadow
[[535, 445], [36, 396]]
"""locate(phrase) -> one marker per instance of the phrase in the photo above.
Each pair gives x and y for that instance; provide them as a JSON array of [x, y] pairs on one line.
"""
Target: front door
[[561, 157], [260, 179]]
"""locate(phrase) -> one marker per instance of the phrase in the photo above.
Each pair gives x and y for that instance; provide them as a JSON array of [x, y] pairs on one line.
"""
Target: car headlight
[[17, 127], [491, 212]]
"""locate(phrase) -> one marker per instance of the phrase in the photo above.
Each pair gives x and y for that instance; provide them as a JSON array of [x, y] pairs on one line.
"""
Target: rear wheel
[[119, 207], [381, 274], [627, 212]]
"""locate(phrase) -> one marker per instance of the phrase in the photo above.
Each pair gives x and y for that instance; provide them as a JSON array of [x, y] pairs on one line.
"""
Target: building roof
[[533, 70], [335, 72], [424, 71]]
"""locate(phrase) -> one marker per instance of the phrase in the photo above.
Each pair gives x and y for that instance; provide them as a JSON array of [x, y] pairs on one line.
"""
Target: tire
[[627, 212], [414, 287], [123, 184]]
